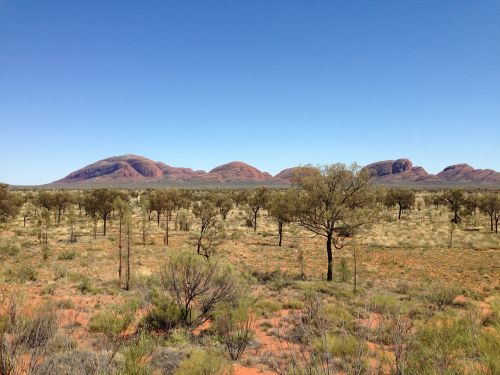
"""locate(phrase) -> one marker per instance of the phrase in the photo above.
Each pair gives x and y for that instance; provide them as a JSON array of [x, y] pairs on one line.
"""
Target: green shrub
[[442, 294], [65, 304], [164, 316], [343, 270], [49, 289], [382, 303], [204, 362], [67, 255], [9, 249], [22, 273], [135, 356], [267, 307], [234, 327]]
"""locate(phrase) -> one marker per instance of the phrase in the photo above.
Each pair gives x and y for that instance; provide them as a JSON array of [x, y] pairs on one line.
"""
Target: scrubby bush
[[442, 294], [197, 286], [234, 327], [205, 362]]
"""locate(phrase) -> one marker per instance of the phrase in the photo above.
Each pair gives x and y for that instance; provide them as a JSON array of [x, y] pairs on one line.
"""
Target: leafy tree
[[281, 208], [60, 200], [8, 203], [333, 200], [211, 230], [99, 203], [71, 218], [490, 205], [225, 204], [403, 198], [121, 206], [128, 222], [455, 200], [45, 199], [239, 197], [197, 286], [28, 211], [256, 201]]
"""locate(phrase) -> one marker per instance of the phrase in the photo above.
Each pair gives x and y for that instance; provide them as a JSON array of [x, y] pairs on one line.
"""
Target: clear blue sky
[[271, 83]]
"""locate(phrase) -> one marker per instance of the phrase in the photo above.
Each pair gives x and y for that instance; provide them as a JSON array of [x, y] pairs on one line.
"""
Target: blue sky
[[271, 83]]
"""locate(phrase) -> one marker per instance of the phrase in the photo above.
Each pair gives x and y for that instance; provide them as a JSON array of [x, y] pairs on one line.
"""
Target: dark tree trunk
[[158, 218], [255, 221], [399, 215], [105, 219], [329, 253], [58, 216], [280, 232], [120, 250], [24, 224], [165, 239], [127, 283]]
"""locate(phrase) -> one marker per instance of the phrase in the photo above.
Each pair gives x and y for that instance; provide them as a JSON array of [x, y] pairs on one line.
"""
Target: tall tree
[[210, 229], [403, 198], [490, 205], [224, 203], [61, 199], [281, 208], [256, 201], [121, 206], [8, 203], [333, 200], [128, 221], [100, 202], [455, 200]]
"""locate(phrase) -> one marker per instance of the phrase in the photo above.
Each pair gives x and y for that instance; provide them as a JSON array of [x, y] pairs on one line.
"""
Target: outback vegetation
[[331, 276]]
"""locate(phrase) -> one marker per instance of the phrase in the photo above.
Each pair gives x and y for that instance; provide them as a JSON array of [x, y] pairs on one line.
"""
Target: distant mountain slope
[[130, 169]]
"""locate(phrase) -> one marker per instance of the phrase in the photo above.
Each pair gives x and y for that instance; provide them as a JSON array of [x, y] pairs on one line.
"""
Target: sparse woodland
[[331, 276]]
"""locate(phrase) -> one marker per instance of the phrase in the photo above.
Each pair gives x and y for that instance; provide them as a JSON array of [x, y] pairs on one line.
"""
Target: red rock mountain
[[137, 169], [134, 168]]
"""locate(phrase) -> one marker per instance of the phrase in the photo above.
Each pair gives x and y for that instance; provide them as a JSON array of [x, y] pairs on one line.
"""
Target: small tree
[[45, 222], [211, 230], [224, 203], [257, 200], [403, 198], [8, 203], [334, 199], [71, 218], [490, 205], [28, 211], [455, 200], [197, 286], [61, 199], [121, 207], [128, 222], [281, 208]]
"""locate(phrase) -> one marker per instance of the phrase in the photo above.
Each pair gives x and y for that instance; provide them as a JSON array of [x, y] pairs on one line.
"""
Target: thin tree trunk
[[399, 215], [280, 232], [127, 283], [354, 255], [329, 253], [104, 218], [165, 239], [120, 250], [255, 221]]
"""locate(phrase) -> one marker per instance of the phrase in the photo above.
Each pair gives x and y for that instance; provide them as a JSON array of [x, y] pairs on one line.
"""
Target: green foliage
[[164, 316], [204, 362], [21, 273], [234, 327], [198, 285], [442, 294], [67, 255], [136, 355], [383, 304], [344, 271]]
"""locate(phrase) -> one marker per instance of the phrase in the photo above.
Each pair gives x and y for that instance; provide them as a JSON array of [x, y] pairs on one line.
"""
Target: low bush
[[204, 362]]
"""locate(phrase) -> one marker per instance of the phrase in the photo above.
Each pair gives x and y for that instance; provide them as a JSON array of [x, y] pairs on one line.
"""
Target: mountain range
[[134, 169]]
